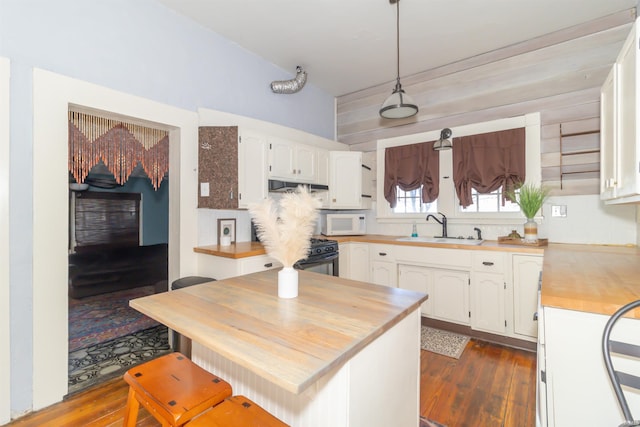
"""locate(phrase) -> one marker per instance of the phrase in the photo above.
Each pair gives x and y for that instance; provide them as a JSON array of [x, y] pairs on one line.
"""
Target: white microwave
[[343, 224]]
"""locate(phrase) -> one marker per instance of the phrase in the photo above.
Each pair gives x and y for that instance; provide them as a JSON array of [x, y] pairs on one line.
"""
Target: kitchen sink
[[442, 240]]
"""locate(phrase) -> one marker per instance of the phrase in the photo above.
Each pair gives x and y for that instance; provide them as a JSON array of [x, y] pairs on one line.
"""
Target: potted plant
[[530, 198]]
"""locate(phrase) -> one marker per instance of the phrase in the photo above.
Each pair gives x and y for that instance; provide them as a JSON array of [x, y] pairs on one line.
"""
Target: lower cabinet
[[448, 291], [526, 271], [384, 270], [384, 273], [222, 268], [420, 279], [451, 296], [354, 261], [488, 302]]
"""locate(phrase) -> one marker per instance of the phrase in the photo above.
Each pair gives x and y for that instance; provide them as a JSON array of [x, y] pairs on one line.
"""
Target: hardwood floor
[[490, 385]]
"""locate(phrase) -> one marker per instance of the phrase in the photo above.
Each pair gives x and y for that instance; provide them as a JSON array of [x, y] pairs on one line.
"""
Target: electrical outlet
[[559, 211]]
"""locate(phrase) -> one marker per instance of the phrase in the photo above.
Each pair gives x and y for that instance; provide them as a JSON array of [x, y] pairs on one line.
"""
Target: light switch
[[204, 189], [559, 211]]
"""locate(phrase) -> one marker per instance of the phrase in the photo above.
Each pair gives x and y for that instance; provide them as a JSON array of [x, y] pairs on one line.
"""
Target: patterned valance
[[119, 145]]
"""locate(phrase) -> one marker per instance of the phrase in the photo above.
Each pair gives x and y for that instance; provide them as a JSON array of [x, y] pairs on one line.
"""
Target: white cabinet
[[354, 261], [383, 265], [322, 160], [488, 289], [451, 295], [252, 168], [222, 267], [608, 136], [360, 262], [345, 179], [620, 164], [292, 161], [526, 273], [420, 279], [578, 391]]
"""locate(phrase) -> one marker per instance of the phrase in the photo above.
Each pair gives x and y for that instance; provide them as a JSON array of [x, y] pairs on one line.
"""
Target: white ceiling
[[349, 45]]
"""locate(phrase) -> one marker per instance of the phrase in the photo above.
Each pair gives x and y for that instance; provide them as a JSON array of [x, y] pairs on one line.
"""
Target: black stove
[[321, 248], [322, 257]]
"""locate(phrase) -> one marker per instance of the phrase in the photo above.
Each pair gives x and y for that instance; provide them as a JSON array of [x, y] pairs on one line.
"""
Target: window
[[410, 202], [491, 202], [485, 208]]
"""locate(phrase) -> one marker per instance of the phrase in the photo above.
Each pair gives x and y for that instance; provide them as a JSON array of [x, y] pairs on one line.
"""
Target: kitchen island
[[342, 353]]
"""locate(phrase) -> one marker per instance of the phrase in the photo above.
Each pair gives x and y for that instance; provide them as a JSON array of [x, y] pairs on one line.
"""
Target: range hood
[[280, 186]]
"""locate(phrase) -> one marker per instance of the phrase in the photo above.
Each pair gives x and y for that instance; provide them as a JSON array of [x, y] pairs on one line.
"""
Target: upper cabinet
[[345, 180], [620, 161], [232, 167], [291, 161]]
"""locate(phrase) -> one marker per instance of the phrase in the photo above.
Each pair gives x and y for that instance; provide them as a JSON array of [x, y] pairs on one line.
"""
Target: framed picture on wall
[[226, 229]]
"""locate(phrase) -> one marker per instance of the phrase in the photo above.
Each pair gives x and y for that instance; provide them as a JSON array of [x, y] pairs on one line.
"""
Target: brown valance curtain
[[487, 162], [120, 145], [409, 167]]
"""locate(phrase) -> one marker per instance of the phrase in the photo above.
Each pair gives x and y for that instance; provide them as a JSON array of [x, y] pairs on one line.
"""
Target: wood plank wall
[[558, 75]]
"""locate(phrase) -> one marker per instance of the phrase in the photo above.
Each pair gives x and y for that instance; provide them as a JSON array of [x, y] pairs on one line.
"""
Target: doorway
[[53, 94]]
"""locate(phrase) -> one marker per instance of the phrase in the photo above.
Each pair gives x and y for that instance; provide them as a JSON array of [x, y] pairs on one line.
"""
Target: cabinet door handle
[[487, 263], [269, 265], [382, 253], [535, 316]]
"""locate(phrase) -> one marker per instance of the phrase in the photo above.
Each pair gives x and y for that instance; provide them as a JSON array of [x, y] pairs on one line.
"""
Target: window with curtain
[[488, 162], [412, 167], [102, 220]]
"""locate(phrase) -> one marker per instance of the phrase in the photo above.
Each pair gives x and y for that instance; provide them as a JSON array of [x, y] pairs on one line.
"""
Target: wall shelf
[[564, 154]]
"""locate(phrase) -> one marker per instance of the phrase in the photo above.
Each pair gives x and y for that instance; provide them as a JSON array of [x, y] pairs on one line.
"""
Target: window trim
[[447, 199]]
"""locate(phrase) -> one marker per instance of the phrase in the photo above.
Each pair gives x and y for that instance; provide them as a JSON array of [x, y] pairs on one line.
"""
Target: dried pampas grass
[[286, 232]]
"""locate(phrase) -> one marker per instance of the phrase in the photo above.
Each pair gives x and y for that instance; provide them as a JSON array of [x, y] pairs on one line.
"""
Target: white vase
[[287, 283]]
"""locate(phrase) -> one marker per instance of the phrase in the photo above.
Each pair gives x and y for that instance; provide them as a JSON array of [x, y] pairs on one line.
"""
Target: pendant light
[[398, 105]]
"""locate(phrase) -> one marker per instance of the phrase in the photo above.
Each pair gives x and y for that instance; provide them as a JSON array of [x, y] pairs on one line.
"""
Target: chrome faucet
[[443, 222]]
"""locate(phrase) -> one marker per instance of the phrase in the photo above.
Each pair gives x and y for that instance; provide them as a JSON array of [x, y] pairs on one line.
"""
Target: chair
[[173, 389], [618, 378], [236, 411]]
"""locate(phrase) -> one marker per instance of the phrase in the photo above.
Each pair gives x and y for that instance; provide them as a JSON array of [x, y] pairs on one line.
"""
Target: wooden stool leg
[[131, 411]]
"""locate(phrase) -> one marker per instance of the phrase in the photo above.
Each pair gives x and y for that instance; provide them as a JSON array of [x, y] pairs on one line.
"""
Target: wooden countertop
[[248, 249], [289, 342], [590, 278]]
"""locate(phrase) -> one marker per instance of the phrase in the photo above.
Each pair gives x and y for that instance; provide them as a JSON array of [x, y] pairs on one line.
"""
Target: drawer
[[382, 253], [258, 263], [490, 262]]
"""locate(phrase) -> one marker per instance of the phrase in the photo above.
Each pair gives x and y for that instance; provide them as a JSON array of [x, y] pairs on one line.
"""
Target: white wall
[[590, 221], [5, 342]]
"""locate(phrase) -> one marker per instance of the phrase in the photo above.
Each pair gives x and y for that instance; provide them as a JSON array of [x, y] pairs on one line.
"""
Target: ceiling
[[349, 45]]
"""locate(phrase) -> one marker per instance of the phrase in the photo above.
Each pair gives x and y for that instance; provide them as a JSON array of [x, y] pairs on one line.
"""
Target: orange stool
[[173, 389], [236, 411]]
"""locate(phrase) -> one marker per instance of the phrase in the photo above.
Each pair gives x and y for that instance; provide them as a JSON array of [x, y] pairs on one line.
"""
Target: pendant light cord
[[398, 37]]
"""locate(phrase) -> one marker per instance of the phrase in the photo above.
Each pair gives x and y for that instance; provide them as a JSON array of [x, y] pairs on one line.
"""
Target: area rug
[[443, 342], [103, 317], [100, 362], [424, 422]]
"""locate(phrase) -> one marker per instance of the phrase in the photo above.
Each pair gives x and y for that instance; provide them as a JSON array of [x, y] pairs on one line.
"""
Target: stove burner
[[321, 248]]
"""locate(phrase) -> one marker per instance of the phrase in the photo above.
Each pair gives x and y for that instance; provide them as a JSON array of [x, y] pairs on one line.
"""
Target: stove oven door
[[325, 265]]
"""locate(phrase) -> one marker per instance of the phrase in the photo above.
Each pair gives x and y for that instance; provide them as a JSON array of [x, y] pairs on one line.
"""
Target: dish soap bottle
[[414, 233]]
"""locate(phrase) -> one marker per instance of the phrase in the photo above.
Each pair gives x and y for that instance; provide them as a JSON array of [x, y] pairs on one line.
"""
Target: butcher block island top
[[289, 342]]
